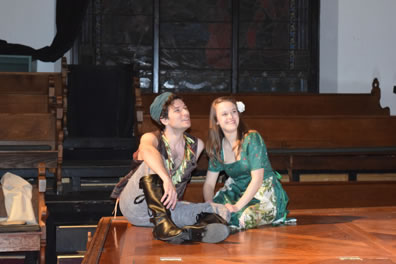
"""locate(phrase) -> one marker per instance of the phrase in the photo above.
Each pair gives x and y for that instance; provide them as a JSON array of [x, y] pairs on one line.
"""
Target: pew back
[[320, 132], [28, 130], [289, 104], [11, 103], [302, 131], [47, 83], [32, 120]]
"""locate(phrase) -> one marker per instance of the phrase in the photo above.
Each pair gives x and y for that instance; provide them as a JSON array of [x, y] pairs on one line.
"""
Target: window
[[207, 45]]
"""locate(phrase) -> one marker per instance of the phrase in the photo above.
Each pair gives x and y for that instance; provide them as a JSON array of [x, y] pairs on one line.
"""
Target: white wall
[[328, 62], [30, 23], [358, 39]]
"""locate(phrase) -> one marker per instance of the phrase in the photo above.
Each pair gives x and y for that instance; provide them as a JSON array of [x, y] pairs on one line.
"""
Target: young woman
[[148, 195], [252, 193]]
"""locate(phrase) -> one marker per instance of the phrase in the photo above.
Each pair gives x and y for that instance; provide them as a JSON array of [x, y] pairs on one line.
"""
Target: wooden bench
[[32, 118], [349, 132], [21, 238], [322, 143], [306, 132], [288, 104], [272, 105]]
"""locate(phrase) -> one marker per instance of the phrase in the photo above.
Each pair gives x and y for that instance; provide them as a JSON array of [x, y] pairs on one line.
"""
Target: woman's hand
[[169, 199], [251, 190], [232, 208]]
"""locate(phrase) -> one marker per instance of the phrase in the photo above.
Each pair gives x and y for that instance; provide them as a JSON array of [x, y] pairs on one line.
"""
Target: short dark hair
[[165, 107]]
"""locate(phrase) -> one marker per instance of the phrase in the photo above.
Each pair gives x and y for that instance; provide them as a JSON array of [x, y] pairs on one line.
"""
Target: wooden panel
[[24, 83], [29, 83], [376, 177], [323, 177], [310, 131], [28, 159], [305, 195], [20, 241], [340, 194], [287, 104], [27, 127], [355, 162], [21, 103], [316, 131]]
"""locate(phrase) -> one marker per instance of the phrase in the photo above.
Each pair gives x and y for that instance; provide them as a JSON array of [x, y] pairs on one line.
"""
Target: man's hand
[[169, 198]]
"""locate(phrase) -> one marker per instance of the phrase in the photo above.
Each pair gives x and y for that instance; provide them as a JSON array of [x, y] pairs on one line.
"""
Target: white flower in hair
[[240, 106]]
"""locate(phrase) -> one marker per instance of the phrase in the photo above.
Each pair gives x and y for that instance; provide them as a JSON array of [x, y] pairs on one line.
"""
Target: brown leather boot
[[164, 228]]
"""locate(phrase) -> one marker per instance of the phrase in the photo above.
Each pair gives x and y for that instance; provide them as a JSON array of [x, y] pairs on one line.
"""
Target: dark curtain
[[69, 17], [101, 101]]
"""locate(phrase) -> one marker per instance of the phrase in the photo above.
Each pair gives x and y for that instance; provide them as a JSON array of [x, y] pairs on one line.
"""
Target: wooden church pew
[[32, 118], [318, 143], [27, 140], [287, 104], [307, 133]]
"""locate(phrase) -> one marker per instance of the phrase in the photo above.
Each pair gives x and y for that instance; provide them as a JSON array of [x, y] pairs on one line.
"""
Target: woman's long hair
[[215, 133]]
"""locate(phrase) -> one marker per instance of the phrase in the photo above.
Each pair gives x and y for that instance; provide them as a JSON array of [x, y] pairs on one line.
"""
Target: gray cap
[[157, 105]]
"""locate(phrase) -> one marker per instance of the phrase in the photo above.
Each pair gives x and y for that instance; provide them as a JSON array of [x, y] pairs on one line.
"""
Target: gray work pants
[[185, 213]]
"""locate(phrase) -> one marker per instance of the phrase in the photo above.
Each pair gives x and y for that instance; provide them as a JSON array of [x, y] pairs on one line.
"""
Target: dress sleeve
[[256, 152], [215, 165]]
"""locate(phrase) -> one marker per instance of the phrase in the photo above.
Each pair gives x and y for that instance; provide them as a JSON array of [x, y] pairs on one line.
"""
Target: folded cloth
[[18, 199]]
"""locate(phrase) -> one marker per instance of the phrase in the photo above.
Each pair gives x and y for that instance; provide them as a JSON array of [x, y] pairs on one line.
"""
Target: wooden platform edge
[[94, 249]]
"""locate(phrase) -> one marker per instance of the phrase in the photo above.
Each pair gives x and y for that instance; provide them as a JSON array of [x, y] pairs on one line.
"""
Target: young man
[[165, 160]]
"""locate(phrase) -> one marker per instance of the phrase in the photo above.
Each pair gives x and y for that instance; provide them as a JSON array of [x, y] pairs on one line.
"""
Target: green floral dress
[[269, 204]]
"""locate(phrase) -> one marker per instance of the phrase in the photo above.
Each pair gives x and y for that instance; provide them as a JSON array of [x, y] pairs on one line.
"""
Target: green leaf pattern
[[261, 213]]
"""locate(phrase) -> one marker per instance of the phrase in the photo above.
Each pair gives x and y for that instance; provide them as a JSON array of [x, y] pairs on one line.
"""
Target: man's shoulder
[[151, 134], [152, 137]]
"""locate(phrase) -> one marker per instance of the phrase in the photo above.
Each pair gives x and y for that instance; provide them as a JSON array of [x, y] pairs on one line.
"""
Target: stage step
[[93, 175], [72, 239]]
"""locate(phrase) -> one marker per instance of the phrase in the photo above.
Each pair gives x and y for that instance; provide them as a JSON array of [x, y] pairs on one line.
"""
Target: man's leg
[[185, 213]]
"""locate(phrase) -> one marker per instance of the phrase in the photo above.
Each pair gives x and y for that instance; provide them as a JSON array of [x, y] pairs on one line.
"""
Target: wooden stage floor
[[350, 235]]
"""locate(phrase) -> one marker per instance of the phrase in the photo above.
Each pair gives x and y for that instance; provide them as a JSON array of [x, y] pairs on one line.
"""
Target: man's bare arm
[[150, 155]]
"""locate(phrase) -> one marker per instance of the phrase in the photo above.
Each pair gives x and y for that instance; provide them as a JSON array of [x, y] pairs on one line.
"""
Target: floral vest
[[185, 177]]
